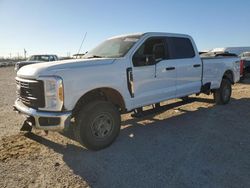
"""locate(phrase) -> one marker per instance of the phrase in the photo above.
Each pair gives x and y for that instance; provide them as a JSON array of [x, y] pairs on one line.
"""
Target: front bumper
[[62, 118]]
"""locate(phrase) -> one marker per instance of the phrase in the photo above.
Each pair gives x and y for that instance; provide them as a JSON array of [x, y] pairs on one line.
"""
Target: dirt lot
[[188, 145]]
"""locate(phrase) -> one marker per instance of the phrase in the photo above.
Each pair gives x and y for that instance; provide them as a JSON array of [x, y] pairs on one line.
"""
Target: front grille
[[31, 93]]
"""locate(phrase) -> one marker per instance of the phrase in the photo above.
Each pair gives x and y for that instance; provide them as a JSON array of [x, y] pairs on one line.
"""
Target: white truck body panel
[[214, 68], [101, 73], [151, 84]]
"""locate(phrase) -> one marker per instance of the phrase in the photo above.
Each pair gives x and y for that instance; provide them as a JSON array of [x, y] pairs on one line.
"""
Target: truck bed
[[212, 67]]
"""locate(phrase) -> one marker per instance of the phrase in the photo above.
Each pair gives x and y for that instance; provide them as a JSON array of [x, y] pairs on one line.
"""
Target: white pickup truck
[[36, 59], [122, 74]]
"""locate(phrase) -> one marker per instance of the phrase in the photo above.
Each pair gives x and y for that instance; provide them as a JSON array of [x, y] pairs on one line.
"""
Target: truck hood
[[24, 63], [33, 71]]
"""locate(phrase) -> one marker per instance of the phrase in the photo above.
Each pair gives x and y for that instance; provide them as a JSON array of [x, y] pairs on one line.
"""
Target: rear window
[[39, 58], [180, 48]]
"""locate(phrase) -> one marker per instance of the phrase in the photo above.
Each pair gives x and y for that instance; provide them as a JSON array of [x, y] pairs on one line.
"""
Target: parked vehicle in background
[[245, 60], [232, 50], [218, 54], [36, 59], [122, 74]]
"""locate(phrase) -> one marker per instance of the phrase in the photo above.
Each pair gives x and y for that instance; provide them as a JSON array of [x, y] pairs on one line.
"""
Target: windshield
[[39, 58], [113, 48]]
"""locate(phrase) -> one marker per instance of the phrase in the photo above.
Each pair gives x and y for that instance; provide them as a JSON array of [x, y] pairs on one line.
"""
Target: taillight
[[241, 67]]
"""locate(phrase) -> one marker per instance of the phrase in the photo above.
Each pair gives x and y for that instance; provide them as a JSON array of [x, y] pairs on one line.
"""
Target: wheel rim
[[226, 92], [102, 125]]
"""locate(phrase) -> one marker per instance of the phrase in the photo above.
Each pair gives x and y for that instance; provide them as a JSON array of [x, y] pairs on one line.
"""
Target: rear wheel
[[97, 125], [223, 94]]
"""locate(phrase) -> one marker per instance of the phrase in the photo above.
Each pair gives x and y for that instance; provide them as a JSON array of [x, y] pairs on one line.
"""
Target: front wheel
[[223, 94], [97, 125]]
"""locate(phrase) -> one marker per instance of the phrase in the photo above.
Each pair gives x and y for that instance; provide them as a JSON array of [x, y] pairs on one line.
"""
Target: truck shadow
[[246, 79], [208, 147]]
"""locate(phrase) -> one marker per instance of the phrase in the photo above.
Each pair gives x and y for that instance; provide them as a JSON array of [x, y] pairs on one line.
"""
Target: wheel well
[[229, 75], [104, 94]]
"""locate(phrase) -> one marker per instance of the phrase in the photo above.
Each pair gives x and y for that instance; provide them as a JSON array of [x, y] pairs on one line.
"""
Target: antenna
[[82, 43]]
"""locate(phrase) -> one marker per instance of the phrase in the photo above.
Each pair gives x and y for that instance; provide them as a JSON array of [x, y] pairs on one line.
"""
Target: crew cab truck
[[121, 74]]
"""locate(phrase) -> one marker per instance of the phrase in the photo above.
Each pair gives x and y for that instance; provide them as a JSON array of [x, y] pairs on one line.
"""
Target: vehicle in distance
[[218, 54], [122, 74], [36, 59], [233, 50], [245, 60]]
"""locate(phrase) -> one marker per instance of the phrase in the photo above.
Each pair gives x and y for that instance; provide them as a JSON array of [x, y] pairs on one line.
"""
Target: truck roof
[[151, 33]]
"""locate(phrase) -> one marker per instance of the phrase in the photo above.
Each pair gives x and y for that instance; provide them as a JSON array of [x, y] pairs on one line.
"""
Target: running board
[[139, 112]]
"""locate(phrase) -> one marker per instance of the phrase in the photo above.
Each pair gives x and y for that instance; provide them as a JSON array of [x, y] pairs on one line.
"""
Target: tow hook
[[27, 124]]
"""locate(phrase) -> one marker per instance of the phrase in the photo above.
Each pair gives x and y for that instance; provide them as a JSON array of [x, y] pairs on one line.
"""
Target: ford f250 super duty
[[122, 74]]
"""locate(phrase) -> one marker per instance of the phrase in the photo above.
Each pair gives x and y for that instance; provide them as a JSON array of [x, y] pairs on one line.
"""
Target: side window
[[150, 52], [180, 48], [51, 58]]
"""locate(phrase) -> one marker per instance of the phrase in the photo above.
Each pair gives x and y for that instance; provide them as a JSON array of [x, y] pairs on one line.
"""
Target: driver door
[[153, 76]]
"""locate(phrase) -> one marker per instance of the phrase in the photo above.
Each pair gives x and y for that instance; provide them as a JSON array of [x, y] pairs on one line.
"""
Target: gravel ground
[[187, 145]]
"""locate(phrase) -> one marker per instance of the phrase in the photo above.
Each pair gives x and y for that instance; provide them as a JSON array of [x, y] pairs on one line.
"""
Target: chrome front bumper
[[63, 117]]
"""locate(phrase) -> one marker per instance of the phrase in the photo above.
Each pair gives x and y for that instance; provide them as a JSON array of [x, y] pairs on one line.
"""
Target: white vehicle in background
[[122, 74], [36, 59], [232, 50], [245, 61]]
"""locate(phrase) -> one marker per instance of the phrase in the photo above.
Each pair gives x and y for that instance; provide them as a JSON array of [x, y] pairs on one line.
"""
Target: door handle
[[196, 65], [170, 68]]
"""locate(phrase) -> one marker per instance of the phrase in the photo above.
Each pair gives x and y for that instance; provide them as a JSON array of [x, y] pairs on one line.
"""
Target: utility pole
[[25, 52]]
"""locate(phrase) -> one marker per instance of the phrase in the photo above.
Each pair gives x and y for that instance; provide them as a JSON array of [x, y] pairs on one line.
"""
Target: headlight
[[53, 93]]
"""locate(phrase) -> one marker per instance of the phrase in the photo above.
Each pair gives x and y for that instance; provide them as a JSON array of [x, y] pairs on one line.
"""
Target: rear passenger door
[[187, 64]]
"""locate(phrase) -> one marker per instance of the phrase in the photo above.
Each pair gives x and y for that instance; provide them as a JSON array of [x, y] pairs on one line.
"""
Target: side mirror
[[142, 60], [149, 59]]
